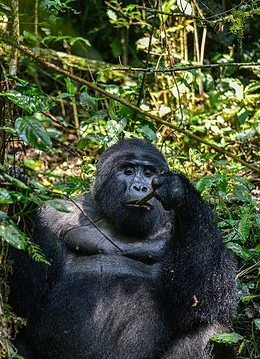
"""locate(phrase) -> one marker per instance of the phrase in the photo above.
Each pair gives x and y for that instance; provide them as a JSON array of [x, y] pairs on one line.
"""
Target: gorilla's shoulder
[[63, 214]]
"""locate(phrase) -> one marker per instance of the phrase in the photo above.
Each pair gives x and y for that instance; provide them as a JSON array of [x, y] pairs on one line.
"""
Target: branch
[[103, 92], [184, 68], [210, 20], [178, 14]]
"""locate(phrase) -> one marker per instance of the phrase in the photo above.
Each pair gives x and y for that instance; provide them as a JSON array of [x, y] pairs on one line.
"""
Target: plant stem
[[15, 35]]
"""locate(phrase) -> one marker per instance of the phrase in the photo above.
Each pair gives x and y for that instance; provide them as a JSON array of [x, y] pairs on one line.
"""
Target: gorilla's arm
[[201, 271], [194, 345], [31, 281]]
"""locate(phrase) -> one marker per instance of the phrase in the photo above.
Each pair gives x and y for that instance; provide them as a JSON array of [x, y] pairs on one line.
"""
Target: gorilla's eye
[[128, 171], [149, 172]]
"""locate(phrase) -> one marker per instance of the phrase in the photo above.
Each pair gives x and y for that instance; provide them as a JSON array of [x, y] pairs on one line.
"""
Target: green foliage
[[32, 101], [240, 16], [28, 198], [55, 7], [239, 220]]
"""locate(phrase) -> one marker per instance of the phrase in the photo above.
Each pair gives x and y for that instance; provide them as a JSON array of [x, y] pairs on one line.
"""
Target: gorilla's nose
[[140, 188]]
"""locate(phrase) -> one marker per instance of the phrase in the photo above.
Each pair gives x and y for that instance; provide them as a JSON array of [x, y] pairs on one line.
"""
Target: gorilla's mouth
[[147, 206]]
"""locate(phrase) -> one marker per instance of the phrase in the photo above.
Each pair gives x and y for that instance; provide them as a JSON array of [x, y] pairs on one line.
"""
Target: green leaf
[[30, 99], [205, 183], [87, 100], [17, 356], [242, 116], [257, 323], [240, 251], [12, 235], [33, 132], [116, 47], [147, 132], [14, 181], [58, 205], [38, 186], [71, 89], [115, 127], [112, 15], [5, 196], [227, 338], [242, 192], [257, 249], [252, 87], [248, 298], [244, 227]]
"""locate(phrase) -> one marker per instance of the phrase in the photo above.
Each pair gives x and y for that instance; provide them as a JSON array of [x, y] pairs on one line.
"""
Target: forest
[[77, 76]]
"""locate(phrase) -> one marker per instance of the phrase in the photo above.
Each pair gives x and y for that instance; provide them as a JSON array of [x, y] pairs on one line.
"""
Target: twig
[[249, 269], [92, 222], [145, 198], [177, 14], [94, 87]]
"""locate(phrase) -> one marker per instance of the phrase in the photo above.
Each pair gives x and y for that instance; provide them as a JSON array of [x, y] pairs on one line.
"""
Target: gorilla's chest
[[92, 251]]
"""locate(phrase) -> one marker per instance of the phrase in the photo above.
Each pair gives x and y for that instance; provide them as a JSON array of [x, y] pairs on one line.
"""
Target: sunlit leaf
[[239, 250], [112, 15], [11, 235], [257, 323], [33, 132], [30, 99], [248, 298], [115, 127], [227, 338], [5, 196], [58, 205]]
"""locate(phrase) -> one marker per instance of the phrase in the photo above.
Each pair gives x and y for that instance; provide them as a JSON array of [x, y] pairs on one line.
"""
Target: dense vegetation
[[76, 76]]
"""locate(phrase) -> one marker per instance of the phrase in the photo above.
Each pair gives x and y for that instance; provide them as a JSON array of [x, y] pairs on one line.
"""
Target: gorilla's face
[[124, 176], [136, 177]]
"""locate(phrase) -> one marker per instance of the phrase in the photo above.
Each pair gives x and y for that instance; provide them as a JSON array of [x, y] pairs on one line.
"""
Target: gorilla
[[127, 279]]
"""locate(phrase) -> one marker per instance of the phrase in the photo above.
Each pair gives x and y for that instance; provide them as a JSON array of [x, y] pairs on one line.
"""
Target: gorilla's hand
[[172, 190]]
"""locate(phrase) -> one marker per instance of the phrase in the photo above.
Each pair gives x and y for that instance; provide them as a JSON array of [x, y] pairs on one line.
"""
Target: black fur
[[142, 282]]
